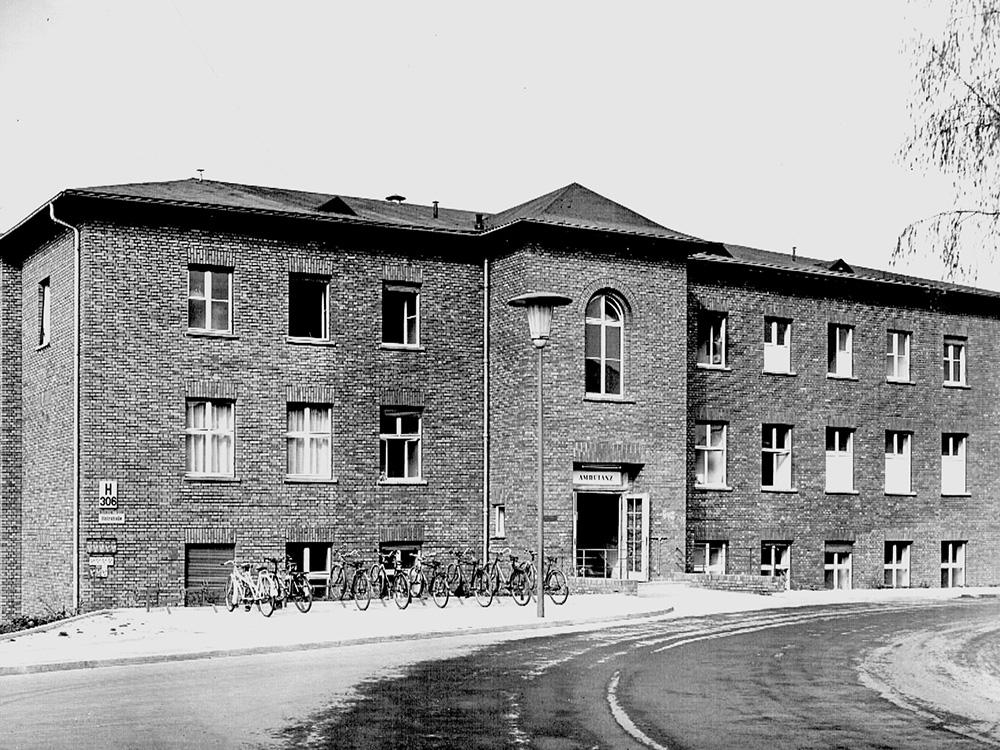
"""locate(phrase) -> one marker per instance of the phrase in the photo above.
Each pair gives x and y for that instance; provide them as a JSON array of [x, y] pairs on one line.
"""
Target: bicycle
[[243, 588], [416, 576], [516, 583], [342, 571], [554, 584], [397, 585], [438, 585], [293, 585], [361, 587], [478, 581]]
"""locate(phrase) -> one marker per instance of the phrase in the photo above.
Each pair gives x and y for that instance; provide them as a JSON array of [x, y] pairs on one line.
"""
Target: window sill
[[211, 479], [402, 347], [305, 341], [720, 368], [46, 345], [780, 490], [785, 373], [959, 386], [608, 399], [713, 487], [400, 482], [956, 494], [842, 492], [896, 381], [199, 334], [900, 494], [311, 480], [834, 376]]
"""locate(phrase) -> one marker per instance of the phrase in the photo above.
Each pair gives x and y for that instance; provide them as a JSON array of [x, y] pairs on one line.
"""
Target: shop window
[[776, 457], [897, 565], [712, 339], [777, 345], [709, 557], [952, 564], [308, 442], [953, 464], [401, 315], [897, 356], [710, 454], [399, 444], [44, 312], [604, 346], [210, 298], [210, 438], [308, 307], [837, 565], [840, 351], [954, 361], [839, 459], [776, 560], [897, 462]]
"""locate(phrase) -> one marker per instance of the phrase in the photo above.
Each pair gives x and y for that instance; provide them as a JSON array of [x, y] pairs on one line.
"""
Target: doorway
[[611, 533]]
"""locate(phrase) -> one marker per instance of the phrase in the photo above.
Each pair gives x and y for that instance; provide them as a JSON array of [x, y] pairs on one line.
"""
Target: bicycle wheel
[[301, 593], [418, 584], [519, 589], [378, 581], [361, 589], [337, 587], [439, 590], [401, 589], [265, 600], [232, 595], [556, 586], [453, 575], [482, 587]]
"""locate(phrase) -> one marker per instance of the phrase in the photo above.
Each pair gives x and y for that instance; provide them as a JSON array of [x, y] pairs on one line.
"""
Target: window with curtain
[[210, 437], [308, 439]]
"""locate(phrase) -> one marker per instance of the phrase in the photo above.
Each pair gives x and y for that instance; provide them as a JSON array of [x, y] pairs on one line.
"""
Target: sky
[[771, 124]]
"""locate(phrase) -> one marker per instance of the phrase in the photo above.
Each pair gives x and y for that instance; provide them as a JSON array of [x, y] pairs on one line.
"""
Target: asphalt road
[[786, 678]]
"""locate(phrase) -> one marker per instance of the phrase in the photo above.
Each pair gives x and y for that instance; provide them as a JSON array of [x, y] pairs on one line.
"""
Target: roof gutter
[[76, 404]]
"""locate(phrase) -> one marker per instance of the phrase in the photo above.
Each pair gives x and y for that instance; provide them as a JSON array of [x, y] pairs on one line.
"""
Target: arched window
[[604, 346]]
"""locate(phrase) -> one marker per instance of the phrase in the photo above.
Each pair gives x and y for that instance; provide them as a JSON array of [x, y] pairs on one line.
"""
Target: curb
[[277, 649], [15, 634]]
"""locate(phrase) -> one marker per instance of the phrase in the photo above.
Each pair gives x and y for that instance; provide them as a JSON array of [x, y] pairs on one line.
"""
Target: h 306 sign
[[108, 497]]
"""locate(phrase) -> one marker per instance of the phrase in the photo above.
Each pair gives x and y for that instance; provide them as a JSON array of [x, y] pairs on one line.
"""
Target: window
[[897, 565], [777, 345], [308, 309], [315, 559], [897, 463], [401, 315], [399, 444], [953, 464], [44, 312], [952, 564], [709, 557], [840, 351], [954, 361], [712, 339], [776, 457], [776, 559], [308, 440], [499, 520], [710, 454], [897, 356], [837, 565], [839, 459], [210, 437], [604, 346], [210, 297]]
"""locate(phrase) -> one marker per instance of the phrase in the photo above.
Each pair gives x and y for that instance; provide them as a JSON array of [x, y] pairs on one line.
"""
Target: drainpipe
[[486, 408], [76, 404]]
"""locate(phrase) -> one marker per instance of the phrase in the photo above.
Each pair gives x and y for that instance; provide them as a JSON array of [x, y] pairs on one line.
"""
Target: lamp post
[[539, 306]]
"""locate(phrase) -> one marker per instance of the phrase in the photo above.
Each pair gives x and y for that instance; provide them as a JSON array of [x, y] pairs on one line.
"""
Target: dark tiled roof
[[577, 206], [751, 256]]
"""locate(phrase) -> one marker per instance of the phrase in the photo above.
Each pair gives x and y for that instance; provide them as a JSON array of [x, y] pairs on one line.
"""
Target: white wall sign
[[597, 478], [103, 560], [111, 518], [107, 498]]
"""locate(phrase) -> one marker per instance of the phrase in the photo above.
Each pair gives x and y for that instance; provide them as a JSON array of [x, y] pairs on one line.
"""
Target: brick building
[[250, 371]]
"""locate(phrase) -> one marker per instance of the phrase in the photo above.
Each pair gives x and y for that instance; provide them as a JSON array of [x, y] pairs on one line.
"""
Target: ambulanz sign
[[597, 478]]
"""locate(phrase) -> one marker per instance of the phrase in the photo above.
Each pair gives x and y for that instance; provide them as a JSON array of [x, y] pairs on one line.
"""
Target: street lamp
[[539, 306]]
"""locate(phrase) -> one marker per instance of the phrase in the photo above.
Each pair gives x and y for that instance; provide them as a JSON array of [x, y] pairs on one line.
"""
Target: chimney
[[793, 251], [435, 209], [480, 226]]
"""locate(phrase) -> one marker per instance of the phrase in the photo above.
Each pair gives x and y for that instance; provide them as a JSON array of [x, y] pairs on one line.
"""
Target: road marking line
[[623, 718]]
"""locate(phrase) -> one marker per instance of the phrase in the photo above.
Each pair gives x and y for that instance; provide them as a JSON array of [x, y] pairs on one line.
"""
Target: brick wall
[[141, 364], [745, 398], [10, 439], [647, 426]]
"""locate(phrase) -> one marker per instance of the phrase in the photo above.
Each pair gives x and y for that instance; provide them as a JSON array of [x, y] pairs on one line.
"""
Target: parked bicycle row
[[352, 576], [267, 586]]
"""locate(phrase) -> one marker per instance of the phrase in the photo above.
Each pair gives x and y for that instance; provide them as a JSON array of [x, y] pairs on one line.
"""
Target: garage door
[[204, 574]]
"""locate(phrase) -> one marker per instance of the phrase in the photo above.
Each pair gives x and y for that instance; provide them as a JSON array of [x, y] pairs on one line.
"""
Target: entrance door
[[635, 537]]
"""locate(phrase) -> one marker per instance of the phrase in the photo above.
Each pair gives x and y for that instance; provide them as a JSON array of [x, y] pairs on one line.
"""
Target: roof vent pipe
[[201, 174], [435, 209], [395, 198], [479, 223], [793, 251]]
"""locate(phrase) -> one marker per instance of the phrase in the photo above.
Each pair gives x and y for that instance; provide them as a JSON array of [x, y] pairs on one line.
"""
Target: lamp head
[[539, 306]]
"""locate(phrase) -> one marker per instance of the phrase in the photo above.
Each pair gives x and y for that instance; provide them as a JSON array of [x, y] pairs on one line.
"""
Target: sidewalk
[[135, 636]]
